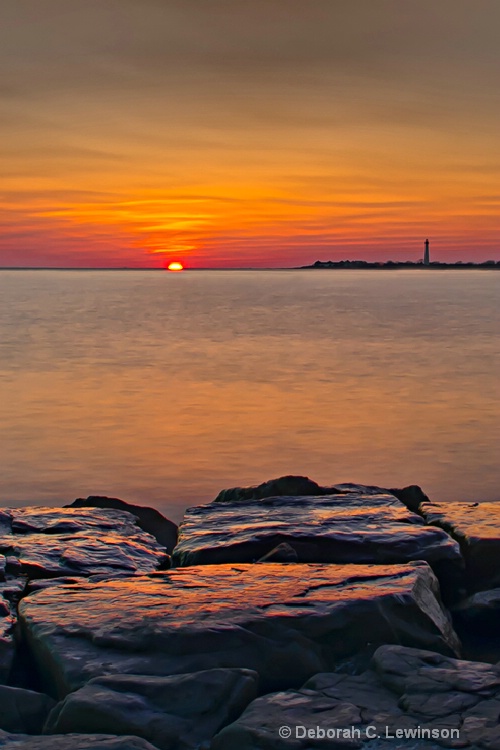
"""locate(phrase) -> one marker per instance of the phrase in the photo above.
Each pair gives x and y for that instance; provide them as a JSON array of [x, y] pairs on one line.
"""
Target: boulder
[[285, 622], [149, 519], [23, 710], [352, 527], [173, 713], [476, 527], [55, 542], [73, 742], [431, 700], [289, 485], [480, 612]]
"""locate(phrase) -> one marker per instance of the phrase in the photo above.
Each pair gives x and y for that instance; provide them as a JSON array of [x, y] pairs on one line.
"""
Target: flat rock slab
[[431, 700], [476, 527], [286, 622], [73, 742], [149, 519], [174, 713], [54, 542], [352, 527]]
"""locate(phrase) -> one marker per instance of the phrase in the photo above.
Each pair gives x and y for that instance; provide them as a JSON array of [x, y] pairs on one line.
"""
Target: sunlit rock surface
[[174, 713], [53, 542], [286, 622], [73, 742], [149, 519], [476, 526], [405, 689], [346, 528]]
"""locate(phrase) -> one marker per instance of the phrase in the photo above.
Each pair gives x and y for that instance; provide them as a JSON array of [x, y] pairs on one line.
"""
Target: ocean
[[164, 388]]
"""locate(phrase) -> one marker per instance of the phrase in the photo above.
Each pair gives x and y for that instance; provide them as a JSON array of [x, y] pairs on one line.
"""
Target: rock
[[431, 700], [284, 622], [282, 553], [346, 528], [293, 486], [412, 496], [173, 713], [73, 742], [476, 527], [7, 620], [481, 611], [477, 619], [289, 485], [23, 710], [149, 519], [55, 542]]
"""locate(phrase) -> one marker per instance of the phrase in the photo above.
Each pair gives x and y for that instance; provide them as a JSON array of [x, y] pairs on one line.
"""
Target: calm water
[[164, 388]]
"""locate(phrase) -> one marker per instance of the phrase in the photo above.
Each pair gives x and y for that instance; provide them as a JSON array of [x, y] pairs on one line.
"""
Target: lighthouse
[[426, 253]]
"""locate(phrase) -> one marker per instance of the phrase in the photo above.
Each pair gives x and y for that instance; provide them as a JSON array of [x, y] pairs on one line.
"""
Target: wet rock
[[149, 519], [346, 528], [284, 622], [282, 553], [476, 527], [73, 742], [55, 542], [173, 713], [431, 700], [23, 710]]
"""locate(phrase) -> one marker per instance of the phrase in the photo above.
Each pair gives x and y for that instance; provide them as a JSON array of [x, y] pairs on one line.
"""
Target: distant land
[[391, 264]]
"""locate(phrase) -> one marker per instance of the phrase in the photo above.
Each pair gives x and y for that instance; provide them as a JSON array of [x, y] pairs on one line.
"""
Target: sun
[[175, 266]]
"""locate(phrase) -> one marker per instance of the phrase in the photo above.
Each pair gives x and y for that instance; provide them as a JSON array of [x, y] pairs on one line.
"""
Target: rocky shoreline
[[351, 616]]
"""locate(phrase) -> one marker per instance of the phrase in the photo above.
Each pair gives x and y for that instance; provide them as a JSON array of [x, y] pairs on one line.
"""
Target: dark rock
[[433, 700], [293, 486], [282, 553], [476, 527], [23, 710], [289, 485], [148, 519], [284, 622], [346, 528], [73, 742], [412, 496], [7, 620], [173, 713], [477, 620]]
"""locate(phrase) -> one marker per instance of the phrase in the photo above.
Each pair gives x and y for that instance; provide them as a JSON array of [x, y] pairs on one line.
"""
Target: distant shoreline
[[398, 265]]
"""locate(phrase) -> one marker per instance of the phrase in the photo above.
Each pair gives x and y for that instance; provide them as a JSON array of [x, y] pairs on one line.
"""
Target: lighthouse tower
[[426, 253]]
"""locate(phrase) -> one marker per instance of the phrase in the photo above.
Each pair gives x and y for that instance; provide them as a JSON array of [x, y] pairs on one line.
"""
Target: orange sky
[[227, 133]]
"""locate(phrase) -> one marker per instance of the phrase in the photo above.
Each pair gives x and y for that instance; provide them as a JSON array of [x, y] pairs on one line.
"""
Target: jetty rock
[[476, 528], [284, 621], [73, 742], [432, 700], [354, 525], [180, 712], [52, 543], [148, 519]]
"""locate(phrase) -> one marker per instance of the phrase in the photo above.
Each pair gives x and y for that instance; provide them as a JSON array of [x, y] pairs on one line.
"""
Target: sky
[[248, 133]]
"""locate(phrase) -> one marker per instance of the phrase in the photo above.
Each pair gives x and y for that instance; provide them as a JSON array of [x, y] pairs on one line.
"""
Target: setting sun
[[175, 266]]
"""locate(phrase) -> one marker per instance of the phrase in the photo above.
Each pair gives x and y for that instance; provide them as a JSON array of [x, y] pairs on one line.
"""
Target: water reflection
[[164, 388]]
